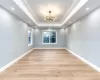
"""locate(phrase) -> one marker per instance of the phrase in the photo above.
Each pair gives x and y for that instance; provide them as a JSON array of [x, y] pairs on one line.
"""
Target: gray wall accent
[[60, 39], [83, 37], [13, 37]]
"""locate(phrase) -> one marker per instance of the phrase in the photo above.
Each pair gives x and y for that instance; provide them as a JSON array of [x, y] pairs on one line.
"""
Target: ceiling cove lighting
[[78, 7], [24, 8]]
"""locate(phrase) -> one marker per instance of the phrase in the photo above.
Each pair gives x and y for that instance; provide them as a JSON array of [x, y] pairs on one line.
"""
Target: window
[[49, 37], [29, 37]]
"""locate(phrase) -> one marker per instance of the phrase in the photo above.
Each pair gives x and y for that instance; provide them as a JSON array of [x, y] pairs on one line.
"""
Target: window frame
[[31, 43], [49, 38]]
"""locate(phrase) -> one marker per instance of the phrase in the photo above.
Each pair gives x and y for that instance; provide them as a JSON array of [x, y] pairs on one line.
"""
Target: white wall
[[13, 37], [60, 39], [83, 37]]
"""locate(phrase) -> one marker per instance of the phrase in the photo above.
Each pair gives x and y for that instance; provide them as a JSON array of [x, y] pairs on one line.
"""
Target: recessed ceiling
[[66, 9], [38, 7], [33, 11]]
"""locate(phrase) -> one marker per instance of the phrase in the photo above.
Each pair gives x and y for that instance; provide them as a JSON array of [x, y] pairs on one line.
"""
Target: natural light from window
[[29, 37], [49, 37]]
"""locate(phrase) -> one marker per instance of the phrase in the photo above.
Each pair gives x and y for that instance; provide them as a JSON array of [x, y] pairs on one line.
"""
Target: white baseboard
[[84, 60], [49, 48], [15, 60]]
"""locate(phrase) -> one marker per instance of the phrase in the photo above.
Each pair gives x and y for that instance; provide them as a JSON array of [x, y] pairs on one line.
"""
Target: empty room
[[49, 39]]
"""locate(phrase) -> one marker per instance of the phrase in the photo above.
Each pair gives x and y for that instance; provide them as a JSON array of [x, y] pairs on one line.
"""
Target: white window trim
[[31, 38], [49, 31]]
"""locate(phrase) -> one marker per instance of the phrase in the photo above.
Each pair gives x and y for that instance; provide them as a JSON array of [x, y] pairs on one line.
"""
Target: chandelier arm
[[50, 18]]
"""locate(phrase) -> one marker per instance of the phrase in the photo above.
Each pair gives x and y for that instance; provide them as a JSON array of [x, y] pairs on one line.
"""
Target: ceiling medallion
[[50, 18]]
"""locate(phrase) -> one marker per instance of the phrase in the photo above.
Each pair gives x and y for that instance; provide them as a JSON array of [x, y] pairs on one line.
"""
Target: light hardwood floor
[[50, 65]]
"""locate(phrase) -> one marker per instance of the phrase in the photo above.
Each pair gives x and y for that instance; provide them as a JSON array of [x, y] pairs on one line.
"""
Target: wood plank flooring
[[50, 65]]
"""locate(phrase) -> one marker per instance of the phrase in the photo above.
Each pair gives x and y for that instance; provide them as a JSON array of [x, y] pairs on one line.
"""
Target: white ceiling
[[30, 10], [37, 7]]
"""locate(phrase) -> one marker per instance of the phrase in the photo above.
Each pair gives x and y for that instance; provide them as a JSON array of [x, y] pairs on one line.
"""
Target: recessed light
[[76, 9], [87, 9], [13, 8]]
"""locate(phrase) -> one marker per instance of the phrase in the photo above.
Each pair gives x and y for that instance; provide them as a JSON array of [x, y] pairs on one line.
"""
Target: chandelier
[[50, 18]]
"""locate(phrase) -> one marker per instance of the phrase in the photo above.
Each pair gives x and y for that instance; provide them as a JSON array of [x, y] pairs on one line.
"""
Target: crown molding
[[71, 13], [25, 10]]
